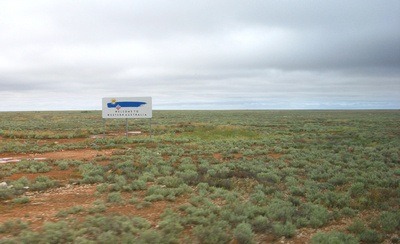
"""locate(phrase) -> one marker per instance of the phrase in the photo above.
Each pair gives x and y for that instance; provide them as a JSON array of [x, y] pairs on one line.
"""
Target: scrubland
[[201, 177]]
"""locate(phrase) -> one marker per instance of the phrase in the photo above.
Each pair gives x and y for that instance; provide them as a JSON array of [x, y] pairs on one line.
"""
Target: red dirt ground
[[79, 154], [62, 176], [43, 206]]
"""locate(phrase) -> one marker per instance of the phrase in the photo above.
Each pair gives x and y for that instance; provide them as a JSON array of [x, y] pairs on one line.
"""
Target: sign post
[[127, 108]]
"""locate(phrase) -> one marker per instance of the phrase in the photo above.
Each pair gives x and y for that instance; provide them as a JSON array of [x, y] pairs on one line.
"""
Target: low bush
[[149, 237], [13, 227], [63, 165], [216, 232], [138, 185], [120, 184], [72, 210], [370, 236], [334, 237], [356, 227], [143, 204], [115, 197], [98, 207], [170, 181], [287, 229], [58, 232], [21, 200], [42, 183], [153, 198], [91, 173], [312, 215], [39, 167], [348, 212], [261, 224], [170, 226], [390, 221], [357, 189], [243, 233], [102, 188], [6, 193], [280, 210], [21, 184]]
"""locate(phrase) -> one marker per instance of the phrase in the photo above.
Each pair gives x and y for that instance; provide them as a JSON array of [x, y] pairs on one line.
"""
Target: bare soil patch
[[43, 206], [61, 141], [63, 176], [79, 154], [275, 155]]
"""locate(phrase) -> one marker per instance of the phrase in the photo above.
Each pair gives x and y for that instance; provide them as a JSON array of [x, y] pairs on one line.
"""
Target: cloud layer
[[200, 54]]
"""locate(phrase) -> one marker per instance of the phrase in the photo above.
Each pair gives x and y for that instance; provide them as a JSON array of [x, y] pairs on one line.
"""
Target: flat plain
[[200, 177]]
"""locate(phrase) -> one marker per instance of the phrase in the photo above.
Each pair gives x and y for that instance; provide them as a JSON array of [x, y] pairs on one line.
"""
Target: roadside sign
[[127, 107]]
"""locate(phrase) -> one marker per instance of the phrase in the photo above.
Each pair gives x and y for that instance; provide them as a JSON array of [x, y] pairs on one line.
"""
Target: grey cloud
[[316, 53]]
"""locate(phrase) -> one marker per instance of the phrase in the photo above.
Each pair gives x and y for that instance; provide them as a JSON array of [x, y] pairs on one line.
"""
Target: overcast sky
[[57, 55]]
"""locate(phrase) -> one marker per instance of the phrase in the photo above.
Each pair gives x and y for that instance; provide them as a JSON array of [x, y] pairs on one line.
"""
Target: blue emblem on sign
[[124, 104]]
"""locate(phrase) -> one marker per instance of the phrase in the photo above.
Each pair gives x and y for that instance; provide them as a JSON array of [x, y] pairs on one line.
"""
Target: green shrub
[[62, 214], [243, 233], [115, 197], [21, 184], [107, 237], [134, 200], [268, 177], [143, 204], [280, 210], [72, 210], [91, 173], [390, 221], [334, 237], [138, 185], [348, 212], [370, 236], [288, 229], [170, 181], [170, 226], [357, 189], [190, 177], [6, 193], [120, 183], [261, 224], [258, 197], [297, 191], [28, 236], [58, 232], [146, 177], [21, 200], [313, 215], [63, 165], [102, 188], [42, 183], [213, 233], [356, 227], [98, 207], [13, 227], [338, 180], [39, 167], [168, 193], [153, 198], [150, 237], [203, 188]]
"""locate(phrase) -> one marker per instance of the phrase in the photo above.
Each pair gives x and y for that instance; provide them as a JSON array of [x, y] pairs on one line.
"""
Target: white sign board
[[127, 107]]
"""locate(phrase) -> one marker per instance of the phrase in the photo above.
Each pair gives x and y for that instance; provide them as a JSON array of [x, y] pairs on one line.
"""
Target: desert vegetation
[[202, 177]]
